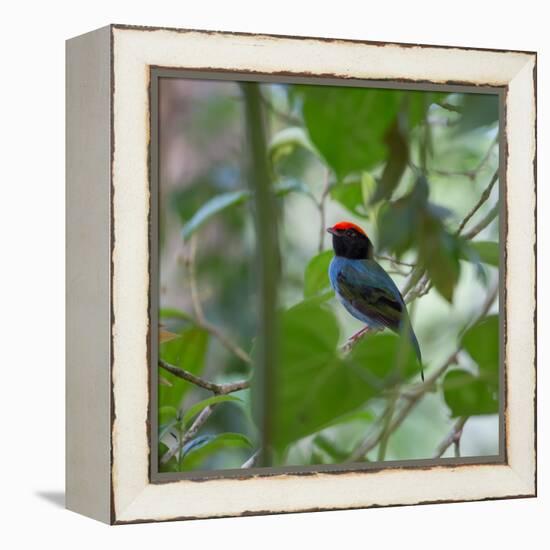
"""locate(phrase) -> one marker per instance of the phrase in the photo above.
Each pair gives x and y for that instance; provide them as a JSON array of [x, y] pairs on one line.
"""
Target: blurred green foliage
[[408, 166]]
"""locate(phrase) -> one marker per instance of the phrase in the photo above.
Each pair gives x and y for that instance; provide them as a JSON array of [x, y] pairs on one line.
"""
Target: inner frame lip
[[156, 73]]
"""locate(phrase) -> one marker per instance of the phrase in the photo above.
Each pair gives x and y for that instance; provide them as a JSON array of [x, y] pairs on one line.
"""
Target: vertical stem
[[265, 209], [321, 206]]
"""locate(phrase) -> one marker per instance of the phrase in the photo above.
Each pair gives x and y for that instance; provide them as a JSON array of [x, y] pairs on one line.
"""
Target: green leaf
[[315, 386], [488, 252], [287, 140], [465, 393], [481, 341], [282, 188], [396, 165], [224, 201], [468, 395], [187, 352], [198, 407], [389, 357], [349, 195], [400, 220], [347, 125], [173, 313], [316, 279], [354, 193], [167, 413], [439, 252], [212, 207], [195, 452], [478, 110]]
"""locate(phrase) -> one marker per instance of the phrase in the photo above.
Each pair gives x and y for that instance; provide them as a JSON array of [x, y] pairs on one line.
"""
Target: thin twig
[[191, 261], [484, 196], [198, 312], [321, 207], [385, 432], [218, 389], [474, 172], [483, 223], [414, 279], [394, 261], [453, 438], [228, 343]]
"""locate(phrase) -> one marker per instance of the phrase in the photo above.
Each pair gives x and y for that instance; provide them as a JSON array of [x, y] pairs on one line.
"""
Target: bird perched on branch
[[364, 288]]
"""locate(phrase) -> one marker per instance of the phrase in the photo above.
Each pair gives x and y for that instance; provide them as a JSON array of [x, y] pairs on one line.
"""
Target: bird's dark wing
[[371, 291]]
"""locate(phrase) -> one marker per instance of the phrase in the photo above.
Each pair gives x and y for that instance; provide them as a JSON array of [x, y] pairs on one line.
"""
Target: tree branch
[[470, 174], [225, 341], [218, 389], [483, 223], [453, 438], [484, 196]]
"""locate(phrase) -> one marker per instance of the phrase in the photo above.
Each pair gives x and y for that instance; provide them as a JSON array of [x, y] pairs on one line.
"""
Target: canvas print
[[366, 221]]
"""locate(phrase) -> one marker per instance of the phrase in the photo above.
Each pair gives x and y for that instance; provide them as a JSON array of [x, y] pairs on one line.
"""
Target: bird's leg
[[359, 334], [356, 337]]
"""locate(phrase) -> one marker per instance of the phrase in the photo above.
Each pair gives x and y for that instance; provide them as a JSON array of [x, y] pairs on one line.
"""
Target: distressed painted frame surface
[[133, 496]]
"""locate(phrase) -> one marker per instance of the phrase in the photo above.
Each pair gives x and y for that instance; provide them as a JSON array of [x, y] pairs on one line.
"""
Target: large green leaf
[[482, 343], [468, 395], [187, 352], [396, 165], [399, 221], [315, 386], [347, 125], [388, 358], [316, 279], [354, 193], [440, 253]]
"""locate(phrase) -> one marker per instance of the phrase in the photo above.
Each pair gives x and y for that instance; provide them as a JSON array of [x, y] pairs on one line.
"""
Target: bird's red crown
[[342, 226]]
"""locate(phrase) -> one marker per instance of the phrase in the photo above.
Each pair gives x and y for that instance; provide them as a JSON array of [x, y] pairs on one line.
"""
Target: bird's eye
[[350, 233]]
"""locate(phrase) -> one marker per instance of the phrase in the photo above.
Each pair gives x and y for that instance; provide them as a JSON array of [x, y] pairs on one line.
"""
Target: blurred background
[[419, 172]]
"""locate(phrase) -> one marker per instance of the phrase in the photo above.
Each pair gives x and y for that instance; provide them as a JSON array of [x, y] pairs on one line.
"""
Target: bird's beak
[[332, 231]]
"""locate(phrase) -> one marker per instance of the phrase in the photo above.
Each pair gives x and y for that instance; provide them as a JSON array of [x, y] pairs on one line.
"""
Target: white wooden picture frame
[[108, 274]]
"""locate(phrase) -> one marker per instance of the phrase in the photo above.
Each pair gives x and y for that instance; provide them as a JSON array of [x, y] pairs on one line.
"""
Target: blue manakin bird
[[364, 288]]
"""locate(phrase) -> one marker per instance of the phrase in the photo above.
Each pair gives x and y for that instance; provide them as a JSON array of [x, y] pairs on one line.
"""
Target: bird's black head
[[350, 241]]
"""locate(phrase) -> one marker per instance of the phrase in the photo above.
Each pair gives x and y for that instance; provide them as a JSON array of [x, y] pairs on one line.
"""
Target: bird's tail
[[416, 347]]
